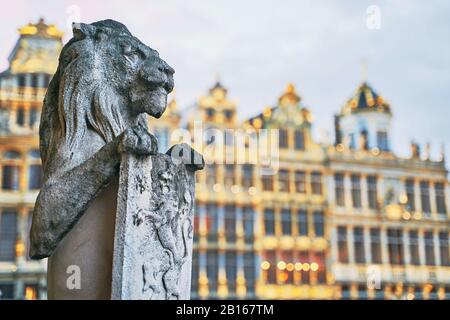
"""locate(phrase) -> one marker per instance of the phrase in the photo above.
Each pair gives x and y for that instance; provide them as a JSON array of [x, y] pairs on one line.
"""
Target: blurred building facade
[[342, 220]]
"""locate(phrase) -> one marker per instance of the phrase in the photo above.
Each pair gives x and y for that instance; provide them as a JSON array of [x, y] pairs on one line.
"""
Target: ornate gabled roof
[[289, 96], [287, 112], [42, 30], [37, 49], [366, 99]]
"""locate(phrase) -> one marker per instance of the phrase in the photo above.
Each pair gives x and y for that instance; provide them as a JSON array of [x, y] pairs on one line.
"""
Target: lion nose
[[158, 73]]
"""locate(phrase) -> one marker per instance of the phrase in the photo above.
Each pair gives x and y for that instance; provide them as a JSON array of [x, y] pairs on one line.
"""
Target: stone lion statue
[[95, 109]]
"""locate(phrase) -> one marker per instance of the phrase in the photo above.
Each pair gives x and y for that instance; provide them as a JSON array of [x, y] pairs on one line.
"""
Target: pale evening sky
[[257, 47]]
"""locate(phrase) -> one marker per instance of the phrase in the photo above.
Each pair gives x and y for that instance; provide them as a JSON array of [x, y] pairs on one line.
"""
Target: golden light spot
[[403, 199], [252, 191], [314, 266], [30, 293], [298, 266], [234, 189], [20, 248], [375, 151], [410, 296], [281, 265], [306, 266], [216, 187], [265, 265], [340, 147], [428, 287], [370, 102], [406, 215], [417, 215], [290, 267]]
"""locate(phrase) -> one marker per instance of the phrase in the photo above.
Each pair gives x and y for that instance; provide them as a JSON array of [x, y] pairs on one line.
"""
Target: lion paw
[[139, 141]]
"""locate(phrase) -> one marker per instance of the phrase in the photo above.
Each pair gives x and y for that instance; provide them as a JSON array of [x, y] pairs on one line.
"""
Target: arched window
[[34, 154], [11, 155]]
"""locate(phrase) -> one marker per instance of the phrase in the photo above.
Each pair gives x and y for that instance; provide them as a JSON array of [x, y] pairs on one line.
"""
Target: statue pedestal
[[154, 229], [86, 252]]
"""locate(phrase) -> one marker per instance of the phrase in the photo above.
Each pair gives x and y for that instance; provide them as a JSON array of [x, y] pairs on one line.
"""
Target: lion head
[[106, 81]]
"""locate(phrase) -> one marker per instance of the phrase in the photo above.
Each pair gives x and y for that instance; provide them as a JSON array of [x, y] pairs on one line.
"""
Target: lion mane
[[77, 99]]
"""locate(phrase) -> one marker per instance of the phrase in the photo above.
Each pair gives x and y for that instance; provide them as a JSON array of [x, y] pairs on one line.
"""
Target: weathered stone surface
[[154, 226], [94, 114]]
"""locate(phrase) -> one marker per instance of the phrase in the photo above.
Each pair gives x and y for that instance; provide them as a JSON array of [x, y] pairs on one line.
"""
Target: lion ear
[[82, 30]]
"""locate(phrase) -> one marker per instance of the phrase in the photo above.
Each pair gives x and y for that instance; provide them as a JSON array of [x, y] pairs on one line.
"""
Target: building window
[[212, 223], [249, 272], [271, 274], [339, 189], [35, 176], [211, 174], [283, 139], [356, 190], [247, 175], [210, 112], [372, 192], [231, 271], [8, 230], [212, 268], [429, 249], [267, 182], [20, 116], [11, 177], [300, 182], [304, 259], [414, 247], [228, 115], [316, 183], [229, 137], [299, 140], [286, 273], [47, 78], [230, 223], [195, 272], [319, 258], [410, 194], [283, 181], [382, 141], [345, 292], [34, 114], [248, 221], [21, 81], [395, 246], [342, 244], [362, 292], [425, 196], [440, 198], [443, 248], [269, 222], [229, 175], [35, 80], [6, 291], [375, 245], [286, 222], [302, 222], [318, 224], [358, 240]]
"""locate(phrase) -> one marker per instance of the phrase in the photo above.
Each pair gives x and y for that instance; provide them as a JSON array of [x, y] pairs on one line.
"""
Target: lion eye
[[131, 56]]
